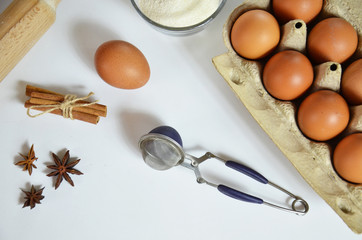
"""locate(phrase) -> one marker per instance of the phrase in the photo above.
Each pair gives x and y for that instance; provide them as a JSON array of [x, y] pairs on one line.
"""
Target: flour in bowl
[[178, 13]]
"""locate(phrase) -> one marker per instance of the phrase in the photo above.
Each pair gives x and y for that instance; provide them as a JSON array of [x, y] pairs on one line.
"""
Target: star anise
[[62, 168], [33, 197], [28, 162]]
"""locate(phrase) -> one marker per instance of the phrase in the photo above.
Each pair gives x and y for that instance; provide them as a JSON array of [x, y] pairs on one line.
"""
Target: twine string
[[70, 102]]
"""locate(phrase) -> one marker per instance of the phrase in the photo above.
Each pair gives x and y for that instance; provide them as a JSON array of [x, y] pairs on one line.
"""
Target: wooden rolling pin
[[21, 25]]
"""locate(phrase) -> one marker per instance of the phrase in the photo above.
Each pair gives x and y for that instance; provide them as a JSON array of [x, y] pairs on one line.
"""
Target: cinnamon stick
[[86, 117], [32, 91], [51, 99], [29, 89]]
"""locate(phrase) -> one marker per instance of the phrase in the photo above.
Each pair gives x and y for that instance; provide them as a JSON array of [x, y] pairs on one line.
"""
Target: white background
[[120, 197]]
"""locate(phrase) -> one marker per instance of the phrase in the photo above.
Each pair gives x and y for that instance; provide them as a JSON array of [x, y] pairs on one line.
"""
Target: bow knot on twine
[[70, 102]]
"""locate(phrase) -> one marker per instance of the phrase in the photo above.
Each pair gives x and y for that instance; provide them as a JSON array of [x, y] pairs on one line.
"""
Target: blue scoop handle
[[240, 195], [247, 171], [228, 191]]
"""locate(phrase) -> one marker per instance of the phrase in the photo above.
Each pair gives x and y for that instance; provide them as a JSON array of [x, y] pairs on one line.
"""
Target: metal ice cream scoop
[[162, 149]]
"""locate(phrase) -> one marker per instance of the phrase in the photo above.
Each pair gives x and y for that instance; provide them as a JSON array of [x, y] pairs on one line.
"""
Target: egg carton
[[313, 160]]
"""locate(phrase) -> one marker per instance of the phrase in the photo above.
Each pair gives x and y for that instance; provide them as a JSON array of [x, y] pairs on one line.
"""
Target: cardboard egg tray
[[313, 160]]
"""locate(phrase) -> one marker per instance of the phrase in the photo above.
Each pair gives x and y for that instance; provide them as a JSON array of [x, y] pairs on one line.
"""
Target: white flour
[[178, 13]]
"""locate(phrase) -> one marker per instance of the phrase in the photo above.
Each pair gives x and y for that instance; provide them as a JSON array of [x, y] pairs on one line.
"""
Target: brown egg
[[121, 65], [347, 158], [255, 34], [332, 39], [323, 115], [305, 10], [287, 75], [351, 84]]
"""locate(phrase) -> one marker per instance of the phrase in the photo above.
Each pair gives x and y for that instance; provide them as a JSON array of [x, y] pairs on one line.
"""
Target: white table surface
[[119, 196]]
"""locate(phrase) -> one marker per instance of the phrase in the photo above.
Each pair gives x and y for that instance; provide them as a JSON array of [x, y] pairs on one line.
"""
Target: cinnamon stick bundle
[[46, 100]]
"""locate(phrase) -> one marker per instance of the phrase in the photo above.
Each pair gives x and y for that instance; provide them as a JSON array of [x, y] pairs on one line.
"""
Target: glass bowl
[[179, 31]]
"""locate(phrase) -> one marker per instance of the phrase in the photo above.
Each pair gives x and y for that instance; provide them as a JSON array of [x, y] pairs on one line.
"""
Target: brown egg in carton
[[313, 160]]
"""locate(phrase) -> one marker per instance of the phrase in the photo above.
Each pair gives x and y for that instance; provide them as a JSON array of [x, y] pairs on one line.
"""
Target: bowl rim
[[190, 28]]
